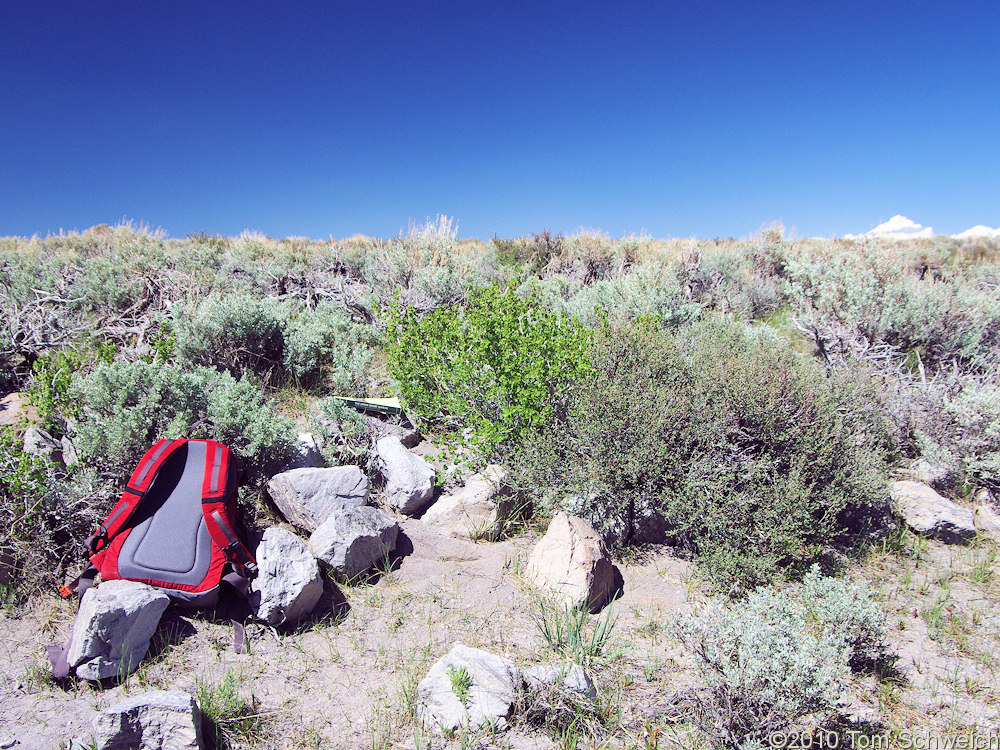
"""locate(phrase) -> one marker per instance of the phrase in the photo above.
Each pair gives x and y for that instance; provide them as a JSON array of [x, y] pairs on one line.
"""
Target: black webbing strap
[[59, 656]]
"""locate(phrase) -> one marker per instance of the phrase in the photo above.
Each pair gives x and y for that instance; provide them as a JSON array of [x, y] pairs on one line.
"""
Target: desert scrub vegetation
[[43, 508], [275, 340], [737, 396], [124, 407], [777, 657], [741, 450]]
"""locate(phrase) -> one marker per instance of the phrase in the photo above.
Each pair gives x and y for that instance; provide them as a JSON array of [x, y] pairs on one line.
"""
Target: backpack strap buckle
[[99, 537]]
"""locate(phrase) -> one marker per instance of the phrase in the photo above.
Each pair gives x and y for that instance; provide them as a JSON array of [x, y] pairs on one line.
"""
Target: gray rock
[[477, 510], [39, 443], [307, 497], [305, 455], [987, 519], [409, 479], [70, 457], [113, 627], [490, 691], [380, 428], [355, 540], [288, 584], [937, 476], [7, 740], [160, 720], [571, 563], [926, 512], [572, 680]]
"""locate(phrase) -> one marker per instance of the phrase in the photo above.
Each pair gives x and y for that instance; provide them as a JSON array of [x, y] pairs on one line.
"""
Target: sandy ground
[[346, 679]]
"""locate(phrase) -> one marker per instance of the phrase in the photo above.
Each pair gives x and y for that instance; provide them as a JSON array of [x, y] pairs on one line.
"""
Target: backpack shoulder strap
[[135, 490], [214, 489]]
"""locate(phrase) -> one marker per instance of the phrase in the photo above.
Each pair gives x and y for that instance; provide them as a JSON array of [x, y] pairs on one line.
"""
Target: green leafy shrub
[[126, 406], [52, 376], [745, 450], [778, 656], [498, 368]]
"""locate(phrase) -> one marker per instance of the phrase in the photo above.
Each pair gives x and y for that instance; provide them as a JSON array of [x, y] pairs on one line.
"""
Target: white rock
[[492, 690], [926, 512], [307, 497], [478, 510], [113, 627], [570, 562], [288, 583], [39, 443], [409, 479], [573, 679], [354, 541], [160, 720]]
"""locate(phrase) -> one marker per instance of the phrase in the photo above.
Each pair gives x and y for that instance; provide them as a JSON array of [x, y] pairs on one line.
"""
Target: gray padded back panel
[[174, 544]]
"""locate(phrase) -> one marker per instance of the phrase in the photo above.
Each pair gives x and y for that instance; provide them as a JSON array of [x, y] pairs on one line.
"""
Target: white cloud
[[900, 228], [979, 230]]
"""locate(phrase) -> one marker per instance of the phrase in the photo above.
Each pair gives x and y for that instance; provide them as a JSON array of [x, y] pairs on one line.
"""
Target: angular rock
[[987, 520], [39, 443], [70, 457], [288, 584], [159, 720], [937, 476], [483, 698], [113, 627], [478, 510], [307, 497], [926, 512], [572, 680], [380, 428], [570, 562], [355, 540], [409, 479], [305, 455]]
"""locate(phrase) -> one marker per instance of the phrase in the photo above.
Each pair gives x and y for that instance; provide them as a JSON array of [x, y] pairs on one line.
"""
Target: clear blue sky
[[678, 117]]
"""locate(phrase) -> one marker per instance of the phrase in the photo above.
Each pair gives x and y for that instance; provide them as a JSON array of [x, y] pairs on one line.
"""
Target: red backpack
[[173, 527]]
